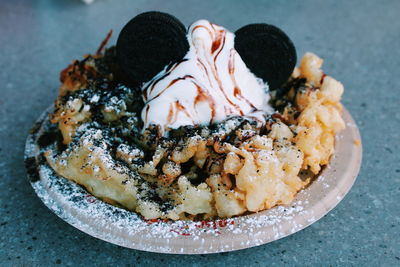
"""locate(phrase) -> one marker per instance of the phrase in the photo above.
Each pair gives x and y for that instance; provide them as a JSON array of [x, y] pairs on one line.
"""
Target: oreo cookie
[[148, 43], [267, 51]]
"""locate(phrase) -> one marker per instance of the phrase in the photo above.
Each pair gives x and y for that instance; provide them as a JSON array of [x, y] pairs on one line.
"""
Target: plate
[[77, 207]]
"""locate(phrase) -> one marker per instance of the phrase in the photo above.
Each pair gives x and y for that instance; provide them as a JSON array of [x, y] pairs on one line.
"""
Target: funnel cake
[[204, 137]]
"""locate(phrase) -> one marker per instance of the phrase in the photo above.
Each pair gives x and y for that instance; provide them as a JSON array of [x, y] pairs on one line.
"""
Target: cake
[[197, 123]]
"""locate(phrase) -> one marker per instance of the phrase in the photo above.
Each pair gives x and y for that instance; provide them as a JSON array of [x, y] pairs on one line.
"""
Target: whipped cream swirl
[[209, 85]]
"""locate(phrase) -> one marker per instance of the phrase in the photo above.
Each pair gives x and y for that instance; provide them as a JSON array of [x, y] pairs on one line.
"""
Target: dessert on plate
[[196, 123]]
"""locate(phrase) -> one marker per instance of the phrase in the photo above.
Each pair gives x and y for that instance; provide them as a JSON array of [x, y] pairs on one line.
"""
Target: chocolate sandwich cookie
[[267, 51], [148, 43]]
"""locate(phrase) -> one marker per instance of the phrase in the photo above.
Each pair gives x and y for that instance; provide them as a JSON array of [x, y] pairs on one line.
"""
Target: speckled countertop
[[359, 41]]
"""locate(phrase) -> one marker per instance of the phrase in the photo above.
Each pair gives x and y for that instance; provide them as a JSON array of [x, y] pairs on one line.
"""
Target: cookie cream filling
[[210, 84]]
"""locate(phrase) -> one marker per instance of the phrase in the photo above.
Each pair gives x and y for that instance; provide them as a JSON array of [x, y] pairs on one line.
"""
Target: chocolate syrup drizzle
[[218, 37]]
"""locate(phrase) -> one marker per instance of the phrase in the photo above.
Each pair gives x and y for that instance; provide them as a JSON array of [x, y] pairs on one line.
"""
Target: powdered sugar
[[125, 228], [87, 213]]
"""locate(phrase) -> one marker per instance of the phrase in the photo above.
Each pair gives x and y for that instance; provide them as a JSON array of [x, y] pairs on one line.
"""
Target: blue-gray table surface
[[359, 41]]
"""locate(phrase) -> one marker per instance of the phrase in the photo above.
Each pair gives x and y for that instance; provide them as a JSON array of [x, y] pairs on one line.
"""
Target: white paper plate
[[80, 209]]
